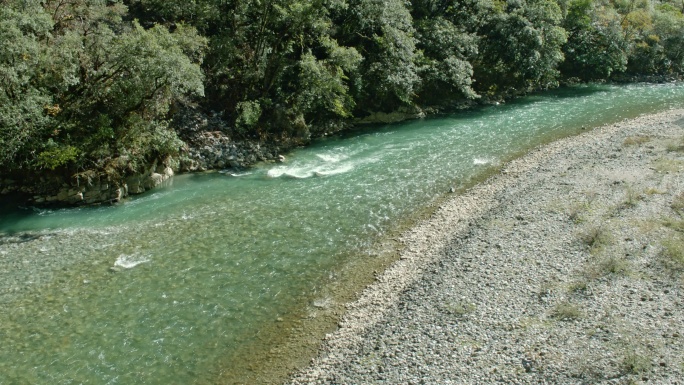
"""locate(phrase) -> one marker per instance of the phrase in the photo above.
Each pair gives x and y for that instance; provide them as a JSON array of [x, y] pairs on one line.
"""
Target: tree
[[668, 25], [93, 90], [443, 57], [655, 38], [28, 70], [382, 32], [596, 47], [322, 82], [521, 46]]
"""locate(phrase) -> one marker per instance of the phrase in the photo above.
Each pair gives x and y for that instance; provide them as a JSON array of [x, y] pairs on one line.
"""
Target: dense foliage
[[93, 84]]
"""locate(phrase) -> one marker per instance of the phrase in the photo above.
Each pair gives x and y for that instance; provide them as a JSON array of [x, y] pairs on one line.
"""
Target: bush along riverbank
[[93, 93], [206, 145]]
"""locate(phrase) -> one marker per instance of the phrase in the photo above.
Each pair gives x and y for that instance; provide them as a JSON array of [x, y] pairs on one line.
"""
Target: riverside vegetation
[[111, 90]]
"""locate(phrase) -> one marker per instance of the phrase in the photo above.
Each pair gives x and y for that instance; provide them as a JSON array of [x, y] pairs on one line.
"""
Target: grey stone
[[154, 180]]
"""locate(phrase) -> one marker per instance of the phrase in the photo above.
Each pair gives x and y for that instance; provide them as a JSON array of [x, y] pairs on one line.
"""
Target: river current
[[160, 288]]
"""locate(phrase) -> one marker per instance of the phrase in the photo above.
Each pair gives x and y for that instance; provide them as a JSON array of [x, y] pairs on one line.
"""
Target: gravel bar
[[567, 267]]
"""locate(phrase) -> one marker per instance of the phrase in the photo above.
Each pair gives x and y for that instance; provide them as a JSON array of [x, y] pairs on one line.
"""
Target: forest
[[97, 84]]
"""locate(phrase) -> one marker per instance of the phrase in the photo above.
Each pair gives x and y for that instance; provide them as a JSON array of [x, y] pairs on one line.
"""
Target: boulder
[[63, 194], [135, 185], [94, 196], [154, 180], [118, 194], [75, 198]]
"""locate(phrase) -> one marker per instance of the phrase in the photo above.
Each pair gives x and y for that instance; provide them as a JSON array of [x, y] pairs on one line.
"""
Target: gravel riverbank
[[565, 268]]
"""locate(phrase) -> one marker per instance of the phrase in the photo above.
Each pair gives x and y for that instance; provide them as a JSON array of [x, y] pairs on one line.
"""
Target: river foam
[[130, 261], [310, 170]]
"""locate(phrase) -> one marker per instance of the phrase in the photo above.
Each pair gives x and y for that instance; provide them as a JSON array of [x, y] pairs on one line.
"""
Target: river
[[161, 288]]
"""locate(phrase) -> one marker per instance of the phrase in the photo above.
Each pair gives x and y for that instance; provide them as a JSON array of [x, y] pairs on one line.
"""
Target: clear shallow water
[[203, 265]]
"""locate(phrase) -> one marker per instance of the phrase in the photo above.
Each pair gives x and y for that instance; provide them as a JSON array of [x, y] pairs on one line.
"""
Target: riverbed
[[204, 279]]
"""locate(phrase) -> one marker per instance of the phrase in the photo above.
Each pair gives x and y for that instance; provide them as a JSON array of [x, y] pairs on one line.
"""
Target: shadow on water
[[567, 92], [480, 110], [12, 210], [16, 216], [13, 213], [19, 237], [576, 91]]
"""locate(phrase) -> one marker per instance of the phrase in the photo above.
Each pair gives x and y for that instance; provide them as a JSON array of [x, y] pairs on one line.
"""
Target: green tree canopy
[[382, 31], [521, 48], [90, 87], [92, 84]]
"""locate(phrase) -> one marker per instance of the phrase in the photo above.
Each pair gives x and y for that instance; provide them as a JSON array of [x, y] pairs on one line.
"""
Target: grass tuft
[[545, 290], [664, 165], [674, 224], [653, 191], [635, 363], [635, 140], [575, 214], [459, 308], [596, 238], [631, 197], [608, 266], [578, 287], [678, 203], [566, 311], [613, 266], [673, 251], [676, 147]]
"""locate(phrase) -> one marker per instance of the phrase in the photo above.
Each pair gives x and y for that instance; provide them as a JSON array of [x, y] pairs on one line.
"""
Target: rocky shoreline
[[565, 268], [209, 147]]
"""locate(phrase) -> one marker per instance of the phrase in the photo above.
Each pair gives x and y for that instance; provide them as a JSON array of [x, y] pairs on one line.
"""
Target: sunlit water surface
[[157, 289]]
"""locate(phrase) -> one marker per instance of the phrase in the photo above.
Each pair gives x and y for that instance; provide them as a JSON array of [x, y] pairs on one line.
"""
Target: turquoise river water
[[158, 289]]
